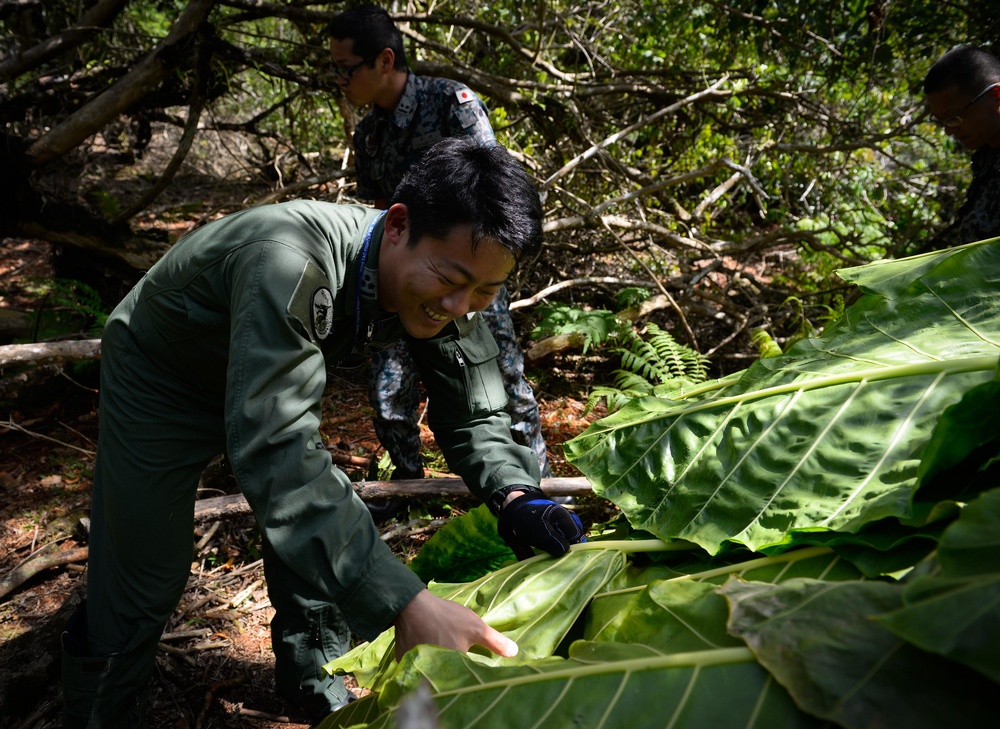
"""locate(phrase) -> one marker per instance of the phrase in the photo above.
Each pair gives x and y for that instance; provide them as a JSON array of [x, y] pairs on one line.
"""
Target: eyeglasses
[[955, 119], [347, 72]]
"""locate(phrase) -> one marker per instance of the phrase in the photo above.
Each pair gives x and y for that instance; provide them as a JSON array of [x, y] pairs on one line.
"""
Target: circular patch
[[322, 312]]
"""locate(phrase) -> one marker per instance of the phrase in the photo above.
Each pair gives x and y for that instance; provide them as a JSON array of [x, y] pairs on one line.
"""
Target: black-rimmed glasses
[[347, 72], [955, 119]]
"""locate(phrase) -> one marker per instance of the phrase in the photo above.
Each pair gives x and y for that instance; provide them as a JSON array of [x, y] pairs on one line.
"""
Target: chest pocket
[[476, 356], [461, 375]]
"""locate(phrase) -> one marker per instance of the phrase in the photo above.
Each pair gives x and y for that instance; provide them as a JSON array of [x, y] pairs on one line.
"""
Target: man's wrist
[[501, 497]]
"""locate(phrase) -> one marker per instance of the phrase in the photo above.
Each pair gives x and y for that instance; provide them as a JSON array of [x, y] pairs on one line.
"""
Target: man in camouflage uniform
[[409, 114], [963, 93]]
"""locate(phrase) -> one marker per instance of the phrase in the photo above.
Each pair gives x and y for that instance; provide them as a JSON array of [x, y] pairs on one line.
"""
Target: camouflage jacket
[[979, 217], [386, 144]]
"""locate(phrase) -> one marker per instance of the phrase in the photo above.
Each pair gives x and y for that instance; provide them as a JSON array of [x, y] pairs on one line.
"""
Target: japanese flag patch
[[464, 96]]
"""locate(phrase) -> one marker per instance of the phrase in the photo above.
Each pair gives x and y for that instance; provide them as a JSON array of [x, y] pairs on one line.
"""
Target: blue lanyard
[[362, 260]]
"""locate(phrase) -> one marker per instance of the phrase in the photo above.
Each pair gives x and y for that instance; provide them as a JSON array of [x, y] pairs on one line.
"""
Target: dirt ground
[[214, 666]]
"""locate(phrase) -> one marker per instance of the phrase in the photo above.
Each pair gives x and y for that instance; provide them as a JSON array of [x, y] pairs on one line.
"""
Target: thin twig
[[629, 129], [276, 718], [549, 290], [210, 696], [11, 425], [663, 290]]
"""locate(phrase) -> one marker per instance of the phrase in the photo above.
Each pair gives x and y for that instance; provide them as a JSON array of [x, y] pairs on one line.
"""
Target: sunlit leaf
[[827, 436]]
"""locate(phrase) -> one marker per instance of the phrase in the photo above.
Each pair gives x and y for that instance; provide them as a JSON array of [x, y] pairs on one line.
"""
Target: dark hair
[[459, 182], [370, 29], [970, 69]]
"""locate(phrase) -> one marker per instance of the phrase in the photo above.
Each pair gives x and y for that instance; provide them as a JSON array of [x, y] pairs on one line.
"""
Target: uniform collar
[[402, 115], [368, 283]]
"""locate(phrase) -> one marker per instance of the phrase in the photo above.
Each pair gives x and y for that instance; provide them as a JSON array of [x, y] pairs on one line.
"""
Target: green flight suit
[[223, 347]]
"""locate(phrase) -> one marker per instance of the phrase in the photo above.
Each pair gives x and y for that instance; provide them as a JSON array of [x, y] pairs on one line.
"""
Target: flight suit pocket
[[461, 375], [476, 356]]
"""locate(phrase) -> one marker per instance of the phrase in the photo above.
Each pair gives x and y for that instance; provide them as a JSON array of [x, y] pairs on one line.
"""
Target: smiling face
[[980, 121], [438, 279]]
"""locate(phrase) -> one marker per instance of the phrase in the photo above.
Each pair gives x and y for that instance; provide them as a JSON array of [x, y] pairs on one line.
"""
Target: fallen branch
[[575, 340], [414, 526], [25, 571], [453, 488], [254, 714], [549, 290], [11, 425], [50, 352], [210, 696], [346, 459], [236, 504]]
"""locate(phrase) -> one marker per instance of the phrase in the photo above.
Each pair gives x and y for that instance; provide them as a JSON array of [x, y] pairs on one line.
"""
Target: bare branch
[[94, 21], [50, 352], [686, 101], [145, 76], [549, 290]]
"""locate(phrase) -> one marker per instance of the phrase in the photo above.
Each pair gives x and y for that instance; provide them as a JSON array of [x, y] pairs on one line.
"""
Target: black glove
[[532, 520]]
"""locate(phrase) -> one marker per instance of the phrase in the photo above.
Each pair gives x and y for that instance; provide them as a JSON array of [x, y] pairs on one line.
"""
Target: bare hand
[[431, 619]]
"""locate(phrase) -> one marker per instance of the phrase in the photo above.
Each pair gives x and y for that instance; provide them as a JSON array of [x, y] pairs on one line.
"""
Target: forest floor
[[215, 665]]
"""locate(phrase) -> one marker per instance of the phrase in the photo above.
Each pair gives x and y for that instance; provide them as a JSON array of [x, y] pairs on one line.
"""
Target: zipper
[[460, 358]]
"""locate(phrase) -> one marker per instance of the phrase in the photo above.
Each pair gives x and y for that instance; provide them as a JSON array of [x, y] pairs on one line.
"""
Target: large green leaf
[[684, 613], [669, 633], [534, 602], [965, 443], [464, 549], [827, 436], [957, 612], [600, 686], [819, 642]]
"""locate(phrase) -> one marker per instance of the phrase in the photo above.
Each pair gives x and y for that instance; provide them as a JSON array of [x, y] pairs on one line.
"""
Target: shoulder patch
[[312, 303], [464, 96], [322, 313]]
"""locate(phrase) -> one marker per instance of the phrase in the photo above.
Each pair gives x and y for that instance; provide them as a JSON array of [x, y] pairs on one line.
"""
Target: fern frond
[[658, 365]]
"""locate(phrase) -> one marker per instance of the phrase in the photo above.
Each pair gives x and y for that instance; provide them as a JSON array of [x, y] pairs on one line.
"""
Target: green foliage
[[807, 324], [462, 550], [631, 296], [384, 467], [837, 422], [857, 630], [791, 126], [766, 346], [595, 327], [67, 306], [656, 365]]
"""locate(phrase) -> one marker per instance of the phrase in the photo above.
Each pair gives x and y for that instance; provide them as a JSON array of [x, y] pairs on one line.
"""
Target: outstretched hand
[[431, 619]]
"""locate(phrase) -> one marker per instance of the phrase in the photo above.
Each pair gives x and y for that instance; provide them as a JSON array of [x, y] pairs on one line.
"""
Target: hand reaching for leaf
[[431, 619]]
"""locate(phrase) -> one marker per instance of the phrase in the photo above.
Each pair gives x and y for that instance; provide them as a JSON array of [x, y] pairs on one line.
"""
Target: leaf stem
[[786, 557]]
